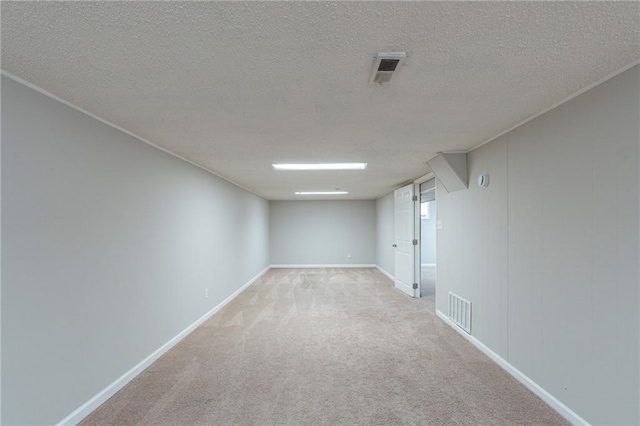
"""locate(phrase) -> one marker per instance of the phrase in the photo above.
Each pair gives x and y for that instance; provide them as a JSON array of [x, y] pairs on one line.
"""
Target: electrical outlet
[[348, 255], [206, 293]]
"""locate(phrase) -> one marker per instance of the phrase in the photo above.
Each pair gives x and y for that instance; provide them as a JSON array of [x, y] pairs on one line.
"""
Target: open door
[[404, 240], [426, 258]]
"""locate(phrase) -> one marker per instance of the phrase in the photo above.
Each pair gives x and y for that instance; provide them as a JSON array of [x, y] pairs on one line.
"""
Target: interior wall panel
[[625, 139], [551, 318], [323, 232], [108, 245], [562, 220], [385, 233], [527, 292], [494, 292]]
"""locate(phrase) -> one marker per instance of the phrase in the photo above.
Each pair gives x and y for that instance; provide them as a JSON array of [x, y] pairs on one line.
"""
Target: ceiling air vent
[[385, 66]]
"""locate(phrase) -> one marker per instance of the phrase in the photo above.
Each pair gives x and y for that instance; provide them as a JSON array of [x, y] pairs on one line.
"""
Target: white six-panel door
[[404, 235]]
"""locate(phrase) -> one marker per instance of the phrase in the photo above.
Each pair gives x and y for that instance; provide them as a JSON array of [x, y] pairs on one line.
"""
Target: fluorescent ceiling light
[[325, 166], [321, 193]]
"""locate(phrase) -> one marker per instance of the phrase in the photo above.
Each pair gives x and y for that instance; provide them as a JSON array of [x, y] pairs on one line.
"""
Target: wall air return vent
[[460, 312], [386, 66]]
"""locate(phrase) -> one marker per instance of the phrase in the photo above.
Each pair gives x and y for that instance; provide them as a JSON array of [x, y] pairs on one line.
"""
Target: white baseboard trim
[[391, 277], [88, 407], [345, 265], [553, 402]]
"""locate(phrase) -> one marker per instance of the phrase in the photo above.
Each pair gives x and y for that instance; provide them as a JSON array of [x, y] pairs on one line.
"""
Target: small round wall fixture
[[483, 180]]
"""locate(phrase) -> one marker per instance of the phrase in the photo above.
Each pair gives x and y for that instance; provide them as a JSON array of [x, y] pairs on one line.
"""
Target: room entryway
[[428, 241], [405, 240], [415, 239]]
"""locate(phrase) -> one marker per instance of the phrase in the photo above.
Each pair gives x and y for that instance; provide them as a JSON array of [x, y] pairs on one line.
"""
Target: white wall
[[385, 253], [428, 236], [322, 232], [548, 253], [108, 245]]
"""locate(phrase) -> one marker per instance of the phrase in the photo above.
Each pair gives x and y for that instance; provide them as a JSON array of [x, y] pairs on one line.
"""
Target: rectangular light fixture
[[322, 166], [322, 193]]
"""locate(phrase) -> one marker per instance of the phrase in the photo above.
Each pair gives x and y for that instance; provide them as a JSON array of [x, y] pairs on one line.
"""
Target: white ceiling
[[236, 86]]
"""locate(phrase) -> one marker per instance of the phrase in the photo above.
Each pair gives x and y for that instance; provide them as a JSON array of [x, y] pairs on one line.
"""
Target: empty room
[[320, 213]]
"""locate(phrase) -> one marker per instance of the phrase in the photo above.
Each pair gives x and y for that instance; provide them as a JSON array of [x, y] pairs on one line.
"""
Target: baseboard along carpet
[[324, 346]]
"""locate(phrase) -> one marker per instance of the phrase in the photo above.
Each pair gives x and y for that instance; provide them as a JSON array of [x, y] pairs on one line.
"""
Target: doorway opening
[[428, 241]]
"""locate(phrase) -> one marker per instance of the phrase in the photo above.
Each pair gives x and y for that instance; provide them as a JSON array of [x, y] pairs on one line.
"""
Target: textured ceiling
[[236, 86]]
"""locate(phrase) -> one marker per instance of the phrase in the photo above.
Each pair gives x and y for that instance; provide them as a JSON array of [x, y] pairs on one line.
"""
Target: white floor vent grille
[[460, 312]]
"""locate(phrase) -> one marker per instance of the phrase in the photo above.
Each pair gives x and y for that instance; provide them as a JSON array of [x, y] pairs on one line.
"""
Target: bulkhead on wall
[[451, 170]]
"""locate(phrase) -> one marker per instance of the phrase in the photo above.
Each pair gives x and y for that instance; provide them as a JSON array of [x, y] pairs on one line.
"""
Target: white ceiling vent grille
[[460, 312], [385, 66]]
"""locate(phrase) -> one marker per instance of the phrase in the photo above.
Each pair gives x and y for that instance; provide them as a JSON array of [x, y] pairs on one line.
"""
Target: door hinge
[[415, 198], [415, 286], [415, 242]]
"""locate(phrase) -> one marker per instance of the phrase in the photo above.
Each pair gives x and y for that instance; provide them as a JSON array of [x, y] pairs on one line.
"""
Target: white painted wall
[[108, 245], [428, 236], [548, 254], [385, 253], [322, 232]]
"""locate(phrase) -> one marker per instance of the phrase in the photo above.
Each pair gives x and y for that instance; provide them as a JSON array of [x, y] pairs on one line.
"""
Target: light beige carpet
[[428, 285], [319, 347]]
